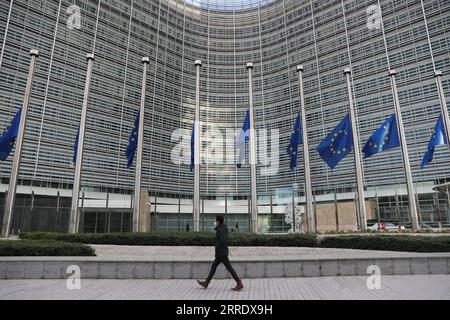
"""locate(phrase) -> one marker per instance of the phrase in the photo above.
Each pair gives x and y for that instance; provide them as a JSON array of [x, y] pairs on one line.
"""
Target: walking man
[[221, 255]]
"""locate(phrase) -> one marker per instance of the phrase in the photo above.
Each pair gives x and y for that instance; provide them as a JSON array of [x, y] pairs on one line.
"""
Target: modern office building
[[325, 36]]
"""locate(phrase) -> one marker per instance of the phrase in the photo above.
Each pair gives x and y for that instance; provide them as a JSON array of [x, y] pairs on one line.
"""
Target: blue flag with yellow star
[[385, 138], [9, 136], [132, 144], [438, 138], [296, 139], [338, 144], [244, 136]]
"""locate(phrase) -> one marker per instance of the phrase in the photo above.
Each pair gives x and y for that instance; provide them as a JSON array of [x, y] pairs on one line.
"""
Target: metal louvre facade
[[325, 36]]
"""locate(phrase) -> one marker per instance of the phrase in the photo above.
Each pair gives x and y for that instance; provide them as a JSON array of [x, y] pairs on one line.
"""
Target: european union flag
[[438, 138], [338, 144], [132, 144], [385, 138], [75, 146], [193, 147], [244, 136], [9, 136], [296, 139]]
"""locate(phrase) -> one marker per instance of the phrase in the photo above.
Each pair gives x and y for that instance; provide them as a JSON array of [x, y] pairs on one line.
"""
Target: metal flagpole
[[131, 212], [308, 188], [357, 154], [405, 156], [401, 131], [140, 147], [315, 211], [107, 214], [55, 226], [73, 222], [249, 215], [358, 218], [198, 64], [438, 76], [179, 213], [254, 196], [226, 208], [293, 212], [12, 188], [336, 211], [271, 212], [8, 19]]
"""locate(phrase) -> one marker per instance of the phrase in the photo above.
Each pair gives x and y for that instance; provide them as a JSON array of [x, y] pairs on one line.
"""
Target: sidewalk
[[342, 288]]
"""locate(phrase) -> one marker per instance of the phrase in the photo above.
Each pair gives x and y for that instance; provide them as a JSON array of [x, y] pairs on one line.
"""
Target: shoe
[[204, 284], [239, 286]]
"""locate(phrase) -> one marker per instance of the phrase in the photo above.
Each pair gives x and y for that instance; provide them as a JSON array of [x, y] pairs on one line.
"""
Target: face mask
[[216, 223]]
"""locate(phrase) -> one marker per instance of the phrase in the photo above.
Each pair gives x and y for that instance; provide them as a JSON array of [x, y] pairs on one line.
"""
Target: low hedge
[[389, 243], [365, 242], [44, 248], [178, 239]]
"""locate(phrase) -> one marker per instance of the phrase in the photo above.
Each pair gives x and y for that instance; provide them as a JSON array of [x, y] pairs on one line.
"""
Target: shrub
[[389, 243], [44, 248], [178, 239], [384, 242]]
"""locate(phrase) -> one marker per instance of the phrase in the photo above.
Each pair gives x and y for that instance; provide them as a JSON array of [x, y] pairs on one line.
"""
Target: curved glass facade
[[325, 36], [228, 4]]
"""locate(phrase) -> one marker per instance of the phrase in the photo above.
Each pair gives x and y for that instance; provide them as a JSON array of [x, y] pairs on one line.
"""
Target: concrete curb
[[132, 268]]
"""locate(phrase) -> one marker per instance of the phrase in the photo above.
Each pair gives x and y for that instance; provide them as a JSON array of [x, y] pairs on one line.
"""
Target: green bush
[[178, 239], [43, 248], [389, 243], [367, 242]]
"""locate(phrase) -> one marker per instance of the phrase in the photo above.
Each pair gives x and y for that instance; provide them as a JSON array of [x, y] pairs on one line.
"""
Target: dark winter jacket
[[221, 240]]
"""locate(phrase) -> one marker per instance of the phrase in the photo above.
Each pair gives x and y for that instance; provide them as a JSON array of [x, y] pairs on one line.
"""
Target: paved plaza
[[323, 288]]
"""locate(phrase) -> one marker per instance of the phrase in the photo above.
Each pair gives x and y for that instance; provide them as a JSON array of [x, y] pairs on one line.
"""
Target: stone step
[[132, 268]]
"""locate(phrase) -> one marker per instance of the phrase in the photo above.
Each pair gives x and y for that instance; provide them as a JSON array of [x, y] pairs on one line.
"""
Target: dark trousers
[[227, 264]]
